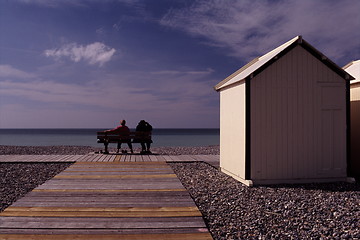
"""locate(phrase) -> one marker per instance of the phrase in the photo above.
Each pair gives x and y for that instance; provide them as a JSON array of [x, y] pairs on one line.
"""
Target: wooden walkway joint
[[106, 200]]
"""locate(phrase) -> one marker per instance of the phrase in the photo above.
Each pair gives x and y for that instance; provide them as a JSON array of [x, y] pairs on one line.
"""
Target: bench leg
[[106, 144]]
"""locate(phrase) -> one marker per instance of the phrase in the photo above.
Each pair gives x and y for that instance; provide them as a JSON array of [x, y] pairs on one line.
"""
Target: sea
[[162, 137]]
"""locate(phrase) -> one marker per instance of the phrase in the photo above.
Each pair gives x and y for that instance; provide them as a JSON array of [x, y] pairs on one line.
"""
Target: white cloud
[[7, 71], [250, 28], [95, 53]]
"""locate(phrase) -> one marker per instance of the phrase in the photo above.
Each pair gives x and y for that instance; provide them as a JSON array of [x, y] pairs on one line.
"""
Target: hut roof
[[353, 68], [258, 64]]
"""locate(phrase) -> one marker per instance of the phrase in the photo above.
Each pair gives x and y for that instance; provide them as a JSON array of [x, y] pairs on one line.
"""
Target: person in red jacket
[[124, 131]]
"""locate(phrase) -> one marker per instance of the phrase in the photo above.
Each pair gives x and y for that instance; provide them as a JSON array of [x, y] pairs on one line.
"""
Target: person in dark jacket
[[144, 127]]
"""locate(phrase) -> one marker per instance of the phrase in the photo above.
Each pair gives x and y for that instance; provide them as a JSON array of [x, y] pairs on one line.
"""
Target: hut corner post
[[248, 130]]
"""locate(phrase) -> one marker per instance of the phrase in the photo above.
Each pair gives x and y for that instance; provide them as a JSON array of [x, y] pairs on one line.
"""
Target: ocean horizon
[[162, 137]]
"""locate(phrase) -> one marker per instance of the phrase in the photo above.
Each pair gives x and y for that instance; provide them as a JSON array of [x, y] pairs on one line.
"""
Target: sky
[[91, 63]]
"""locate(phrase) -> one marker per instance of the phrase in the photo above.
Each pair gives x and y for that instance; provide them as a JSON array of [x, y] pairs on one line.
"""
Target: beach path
[[107, 200], [213, 160]]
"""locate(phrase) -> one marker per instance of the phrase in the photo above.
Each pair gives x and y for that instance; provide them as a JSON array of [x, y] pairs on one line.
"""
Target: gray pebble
[[234, 211]]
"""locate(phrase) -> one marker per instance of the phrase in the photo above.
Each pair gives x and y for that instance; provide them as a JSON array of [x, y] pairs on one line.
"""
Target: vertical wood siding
[[298, 120], [232, 130], [355, 129]]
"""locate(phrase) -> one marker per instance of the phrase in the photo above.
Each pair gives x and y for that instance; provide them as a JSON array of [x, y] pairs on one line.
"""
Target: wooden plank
[[105, 200], [132, 158], [100, 222], [112, 182], [214, 157], [198, 157], [125, 168], [108, 195], [167, 158], [153, 158], [31, 158], [183, 203], [111, 158], [206, 157], [138, 158], [115, 176], [88, 209], [118, 169], [99, 204], [169, 236], [64, 158], [118, 173], [175, 158], [94, 164], [7, 158], [88, 158], [116, 183], [106, 157], [109, 190], [145, 158], [187, 158], [122, 214], [38, 158], [119, 199], [117, 158], [97, 157], [104, 231], [160, 158], [94, 158], [124, 186], [108, 204], [125, 158], [81, 157], [72, 158], [134, 170], [112, 179], [127, 171]]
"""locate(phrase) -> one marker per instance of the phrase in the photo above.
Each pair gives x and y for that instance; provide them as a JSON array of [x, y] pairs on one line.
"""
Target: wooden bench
[[133, 137]]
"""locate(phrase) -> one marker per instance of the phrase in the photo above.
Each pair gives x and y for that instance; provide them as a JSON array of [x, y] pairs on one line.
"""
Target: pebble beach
[[230, 209]]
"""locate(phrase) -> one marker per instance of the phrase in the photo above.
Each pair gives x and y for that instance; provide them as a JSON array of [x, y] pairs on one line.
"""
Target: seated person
[[144, 127], [124, 131]]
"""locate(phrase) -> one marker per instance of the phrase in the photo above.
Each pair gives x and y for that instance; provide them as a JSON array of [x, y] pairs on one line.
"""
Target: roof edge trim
[[260, 61]]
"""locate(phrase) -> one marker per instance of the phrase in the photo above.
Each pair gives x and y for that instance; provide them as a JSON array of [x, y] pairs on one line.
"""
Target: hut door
[[333, 132]]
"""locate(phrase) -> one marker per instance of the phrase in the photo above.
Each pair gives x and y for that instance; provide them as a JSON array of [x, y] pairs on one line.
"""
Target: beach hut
[[354, 69], [284, 118]]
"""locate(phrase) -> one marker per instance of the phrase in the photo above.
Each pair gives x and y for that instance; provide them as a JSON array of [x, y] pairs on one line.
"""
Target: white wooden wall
[[298, 120], [232, 131]]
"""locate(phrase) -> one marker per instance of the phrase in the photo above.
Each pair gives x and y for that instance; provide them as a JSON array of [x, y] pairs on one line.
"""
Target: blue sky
[[90, 63]]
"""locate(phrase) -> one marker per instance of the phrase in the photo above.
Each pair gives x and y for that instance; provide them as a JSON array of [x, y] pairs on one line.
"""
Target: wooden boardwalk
[[106, 197], [211, 159]]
